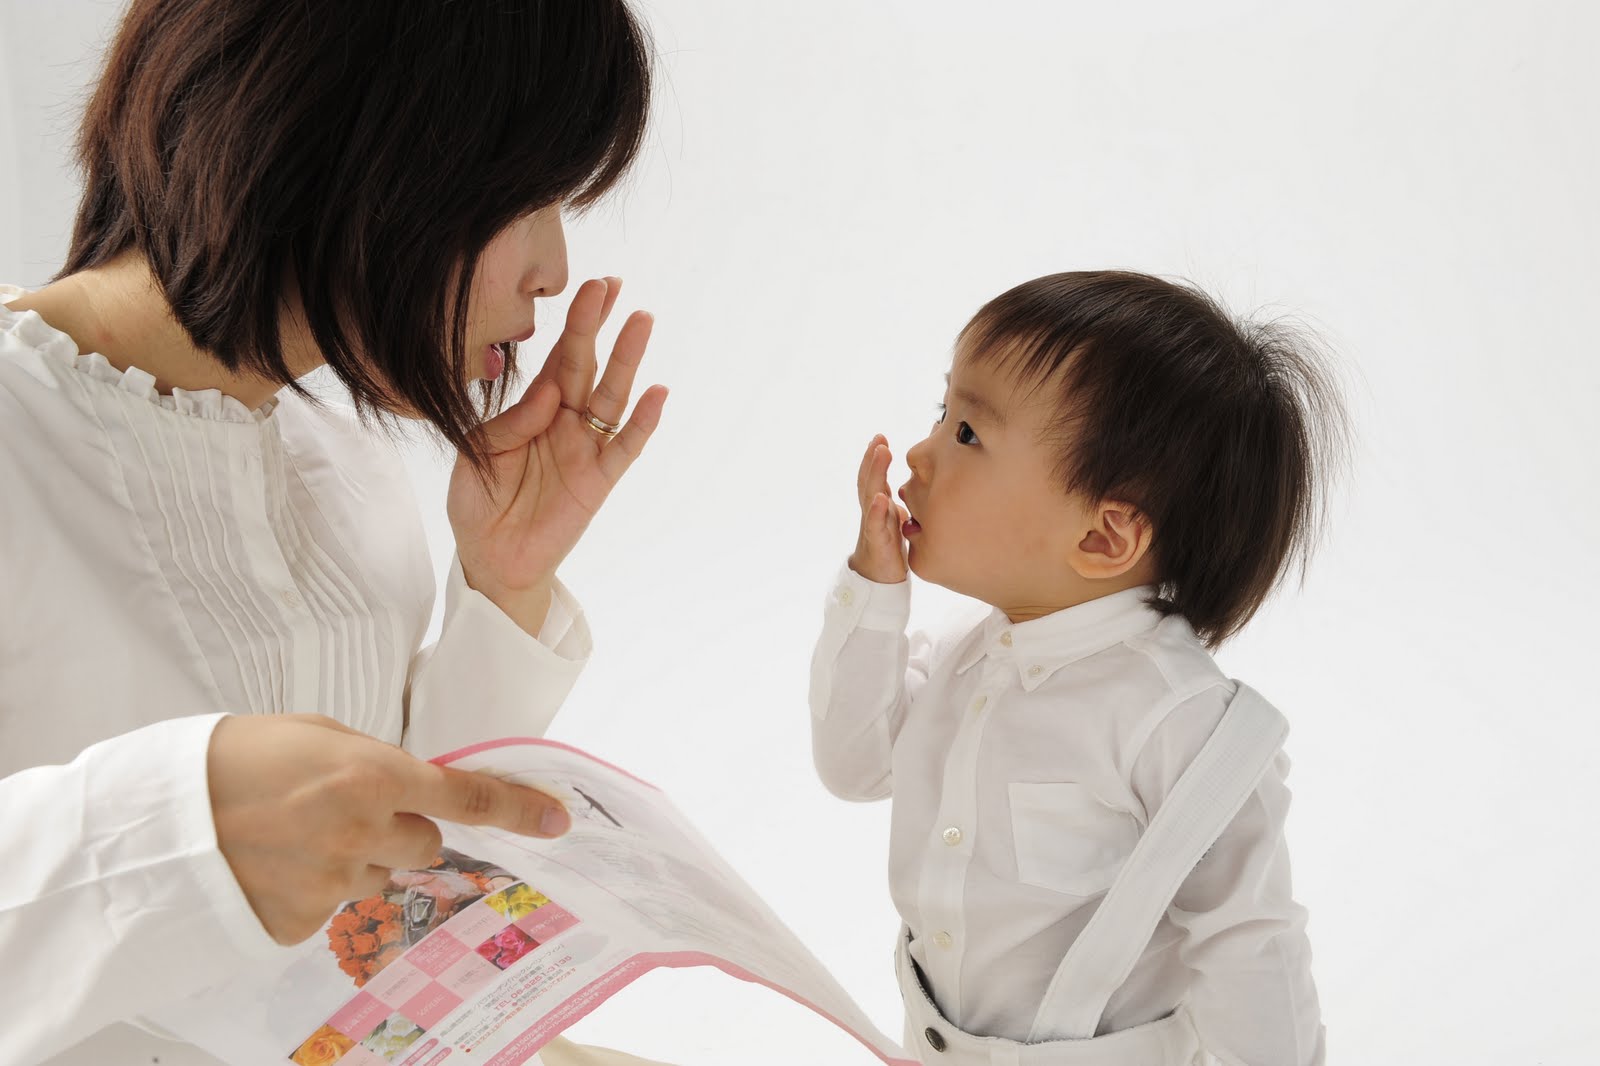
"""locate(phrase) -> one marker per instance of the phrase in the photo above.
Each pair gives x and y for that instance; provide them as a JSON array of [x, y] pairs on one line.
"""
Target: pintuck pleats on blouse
[[163, 558]]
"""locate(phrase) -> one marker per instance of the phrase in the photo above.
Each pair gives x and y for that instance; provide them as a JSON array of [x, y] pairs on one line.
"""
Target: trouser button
[[935, 1041]]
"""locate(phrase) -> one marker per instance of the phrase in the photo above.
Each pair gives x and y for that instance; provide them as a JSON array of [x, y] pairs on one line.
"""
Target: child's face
[[989, 519]]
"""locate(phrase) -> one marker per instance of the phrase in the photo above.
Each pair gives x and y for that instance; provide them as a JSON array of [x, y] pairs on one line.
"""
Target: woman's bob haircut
[[356, 157]]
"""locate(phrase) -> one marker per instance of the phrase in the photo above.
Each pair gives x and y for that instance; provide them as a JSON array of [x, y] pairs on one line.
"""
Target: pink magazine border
[[603, 988], [539, 742]]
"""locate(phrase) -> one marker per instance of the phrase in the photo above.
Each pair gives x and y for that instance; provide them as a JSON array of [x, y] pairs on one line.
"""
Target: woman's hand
[[309, 813], [880, 553], [551, 469]]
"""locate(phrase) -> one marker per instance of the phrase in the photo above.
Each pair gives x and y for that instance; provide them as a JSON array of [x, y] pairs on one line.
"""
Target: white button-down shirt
[[1024, 761]]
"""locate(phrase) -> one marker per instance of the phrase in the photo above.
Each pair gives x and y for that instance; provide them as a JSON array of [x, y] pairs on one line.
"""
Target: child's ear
[[1117, 539]]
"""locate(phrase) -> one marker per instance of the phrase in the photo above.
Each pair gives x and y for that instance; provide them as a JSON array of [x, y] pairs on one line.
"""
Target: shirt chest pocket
[[1066, 839]]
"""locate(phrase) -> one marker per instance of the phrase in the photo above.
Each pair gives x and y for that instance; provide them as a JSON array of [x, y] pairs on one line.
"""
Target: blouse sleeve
[[485, 678], [116, 897]]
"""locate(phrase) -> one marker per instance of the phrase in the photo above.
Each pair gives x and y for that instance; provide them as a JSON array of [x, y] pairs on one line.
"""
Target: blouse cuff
[[486, 678], [166, 772]]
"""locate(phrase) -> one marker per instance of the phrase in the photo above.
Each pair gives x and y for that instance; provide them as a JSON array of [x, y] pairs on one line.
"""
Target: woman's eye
[[939, 408], [964, 434]]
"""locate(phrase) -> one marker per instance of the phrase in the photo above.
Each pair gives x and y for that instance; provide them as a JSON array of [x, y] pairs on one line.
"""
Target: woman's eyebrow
[[984, 408]]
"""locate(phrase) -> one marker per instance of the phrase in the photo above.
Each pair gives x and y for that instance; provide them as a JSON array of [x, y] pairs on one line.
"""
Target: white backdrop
[[832, 188]]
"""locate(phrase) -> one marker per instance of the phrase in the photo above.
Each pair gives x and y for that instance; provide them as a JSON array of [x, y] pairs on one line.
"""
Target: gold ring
[[604, 427]]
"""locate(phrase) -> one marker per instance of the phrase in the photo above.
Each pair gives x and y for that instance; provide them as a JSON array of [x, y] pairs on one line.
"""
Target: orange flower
[[325, 1047], [369, 907], [389, 932], [363, 944], [344, 922]]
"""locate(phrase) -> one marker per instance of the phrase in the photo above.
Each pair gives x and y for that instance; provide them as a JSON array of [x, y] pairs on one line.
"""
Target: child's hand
[[880, 553]]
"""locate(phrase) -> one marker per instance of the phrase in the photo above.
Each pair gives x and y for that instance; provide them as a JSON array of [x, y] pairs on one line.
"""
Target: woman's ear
[[1117, 539]]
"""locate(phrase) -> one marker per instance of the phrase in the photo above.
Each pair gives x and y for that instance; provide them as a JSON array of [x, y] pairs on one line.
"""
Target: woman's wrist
[[527, 607]]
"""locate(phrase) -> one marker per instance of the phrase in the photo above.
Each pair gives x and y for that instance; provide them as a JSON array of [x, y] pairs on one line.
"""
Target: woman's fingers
[[620, 451], [613, 290], [609, 401], [411, 843], [513, 428], [571, 363]]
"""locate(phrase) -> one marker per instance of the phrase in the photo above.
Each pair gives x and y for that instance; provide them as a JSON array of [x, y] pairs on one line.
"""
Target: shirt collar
[[1040, 647]]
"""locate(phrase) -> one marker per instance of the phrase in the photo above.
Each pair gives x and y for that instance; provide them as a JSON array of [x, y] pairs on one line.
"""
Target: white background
[[832, 188]]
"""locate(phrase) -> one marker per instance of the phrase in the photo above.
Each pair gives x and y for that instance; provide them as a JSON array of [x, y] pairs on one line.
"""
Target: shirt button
[[1035, 671], [978, 703], [952, 836], [942, 939], [847, 596], [935, 1041], [291, 598], [1005, 638]]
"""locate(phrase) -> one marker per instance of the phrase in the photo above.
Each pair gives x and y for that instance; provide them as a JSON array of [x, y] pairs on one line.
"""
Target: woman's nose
[[547, 250]]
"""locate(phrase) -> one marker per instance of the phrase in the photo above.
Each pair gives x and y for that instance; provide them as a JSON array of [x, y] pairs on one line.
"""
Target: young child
[[1087, 840]]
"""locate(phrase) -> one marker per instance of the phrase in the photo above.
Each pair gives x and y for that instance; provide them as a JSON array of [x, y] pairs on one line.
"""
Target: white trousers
[[1172, 1041]]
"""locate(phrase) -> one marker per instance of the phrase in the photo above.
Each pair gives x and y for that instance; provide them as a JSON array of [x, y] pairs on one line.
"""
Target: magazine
[[505, 941]]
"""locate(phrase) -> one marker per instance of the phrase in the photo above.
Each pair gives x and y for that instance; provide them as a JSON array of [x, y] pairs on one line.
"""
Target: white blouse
[[1025, 760], [164, 558]]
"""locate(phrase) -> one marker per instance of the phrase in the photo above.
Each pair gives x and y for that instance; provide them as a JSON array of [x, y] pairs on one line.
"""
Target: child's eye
[[964, 434]]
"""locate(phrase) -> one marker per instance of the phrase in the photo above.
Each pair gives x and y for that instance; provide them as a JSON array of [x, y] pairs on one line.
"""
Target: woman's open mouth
[[494, 362]]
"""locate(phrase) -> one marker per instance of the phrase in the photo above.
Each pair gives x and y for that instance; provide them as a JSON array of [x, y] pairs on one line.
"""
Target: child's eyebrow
[[978, 403]]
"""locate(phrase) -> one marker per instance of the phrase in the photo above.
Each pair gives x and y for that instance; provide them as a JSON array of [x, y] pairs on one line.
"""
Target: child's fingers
[[883, 533], [880, 470], [893, 520], [864, 472], [872, 522], [874, 469]]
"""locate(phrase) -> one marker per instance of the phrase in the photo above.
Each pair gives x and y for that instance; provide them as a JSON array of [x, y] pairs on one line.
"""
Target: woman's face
[[525, 260]]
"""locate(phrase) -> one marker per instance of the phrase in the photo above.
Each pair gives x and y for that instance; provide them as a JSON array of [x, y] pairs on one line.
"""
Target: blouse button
[[1005, 638], [847, 596], [952, 836], [942, 939], [1035, 671]]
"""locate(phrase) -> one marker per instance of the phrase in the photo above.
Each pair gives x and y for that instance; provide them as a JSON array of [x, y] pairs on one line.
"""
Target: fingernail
[[554, 821]]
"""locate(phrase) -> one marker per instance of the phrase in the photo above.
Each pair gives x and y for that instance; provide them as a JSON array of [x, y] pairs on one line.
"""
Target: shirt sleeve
[[1252, 997], [116, 898], [865, 672], [485, 678]]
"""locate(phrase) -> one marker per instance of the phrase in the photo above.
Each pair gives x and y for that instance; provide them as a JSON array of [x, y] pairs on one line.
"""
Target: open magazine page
[[506, 941]]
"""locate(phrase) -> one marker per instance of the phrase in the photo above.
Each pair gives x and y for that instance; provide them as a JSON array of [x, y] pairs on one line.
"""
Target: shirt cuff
[[856, 603]]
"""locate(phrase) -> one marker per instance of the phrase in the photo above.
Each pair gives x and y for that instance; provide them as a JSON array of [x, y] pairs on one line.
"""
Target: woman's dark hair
[[365, 152], [1222, 432]]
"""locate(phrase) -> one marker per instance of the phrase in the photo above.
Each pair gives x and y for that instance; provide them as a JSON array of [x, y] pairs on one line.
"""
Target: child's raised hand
[[880, 553]]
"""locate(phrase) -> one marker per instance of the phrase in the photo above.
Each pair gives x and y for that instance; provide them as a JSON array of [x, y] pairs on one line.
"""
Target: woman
[[272, 188]]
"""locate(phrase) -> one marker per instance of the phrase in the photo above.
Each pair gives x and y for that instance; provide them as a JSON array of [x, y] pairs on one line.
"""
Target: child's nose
[[917, 457]]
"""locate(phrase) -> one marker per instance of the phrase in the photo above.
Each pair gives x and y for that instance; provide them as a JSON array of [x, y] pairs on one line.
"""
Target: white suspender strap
[[1206, 798]]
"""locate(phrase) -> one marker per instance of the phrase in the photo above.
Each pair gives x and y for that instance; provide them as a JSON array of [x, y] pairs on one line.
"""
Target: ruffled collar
[[212, 404]]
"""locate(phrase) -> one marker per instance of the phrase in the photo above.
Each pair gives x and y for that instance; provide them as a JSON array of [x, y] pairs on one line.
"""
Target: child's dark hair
[[1222, 432]]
